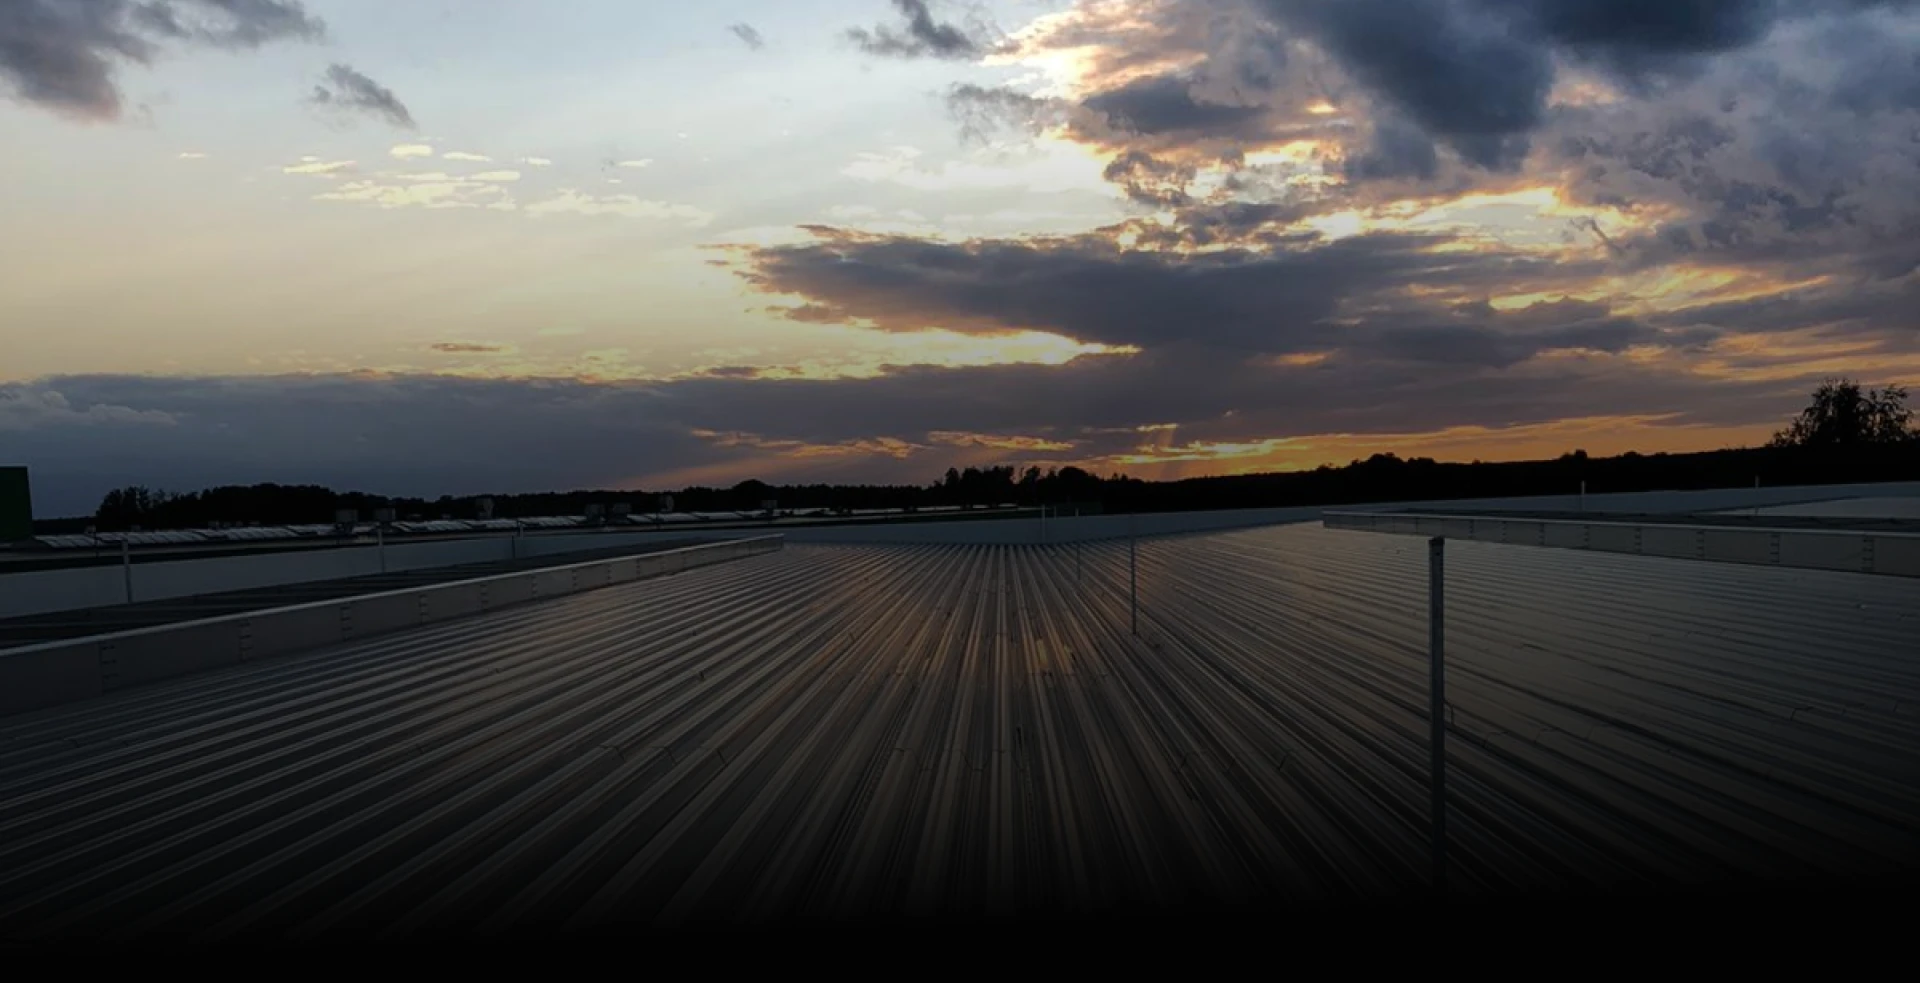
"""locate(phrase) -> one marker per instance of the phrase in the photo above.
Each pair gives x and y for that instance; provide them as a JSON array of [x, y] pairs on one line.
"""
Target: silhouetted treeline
[[1386, 478], [1382, 478]]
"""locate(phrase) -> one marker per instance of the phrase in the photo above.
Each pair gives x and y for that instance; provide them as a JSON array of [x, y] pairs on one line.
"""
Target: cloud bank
[[65, 56], [1340, 227]]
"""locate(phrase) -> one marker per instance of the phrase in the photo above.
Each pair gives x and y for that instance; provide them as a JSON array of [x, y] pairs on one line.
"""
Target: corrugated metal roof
[[853, 730]]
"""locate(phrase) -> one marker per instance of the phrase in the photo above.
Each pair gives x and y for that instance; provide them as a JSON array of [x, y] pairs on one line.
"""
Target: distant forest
[[1381, 478], [1845, 435]]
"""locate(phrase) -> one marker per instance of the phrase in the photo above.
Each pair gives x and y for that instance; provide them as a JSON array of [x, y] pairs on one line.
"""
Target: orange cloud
[[997, 442]]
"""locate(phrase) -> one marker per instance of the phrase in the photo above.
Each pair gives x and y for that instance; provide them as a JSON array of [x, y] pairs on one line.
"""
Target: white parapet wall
[[78, 588], [64, 671], [1882, 553]]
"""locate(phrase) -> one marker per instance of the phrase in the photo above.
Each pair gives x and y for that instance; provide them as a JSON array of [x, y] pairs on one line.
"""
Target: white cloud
[[451, 193], [407, 150], [192, 155], [637, 164], [497, 176], [463, 155], [318, 167], [22, 408], [536, 162], [629, 206]]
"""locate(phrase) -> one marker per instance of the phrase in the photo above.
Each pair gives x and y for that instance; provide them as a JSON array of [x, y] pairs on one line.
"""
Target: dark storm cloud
[[1474, 76], [1462, 74], [1875, 72], [346, 88], [748, 35], [922, 36], [1481, 344], [418, 435], [1476, 73], [1285, 296], [1398, 150], [1773, 160], [64, 55], [1865, 313], [1164, 105]]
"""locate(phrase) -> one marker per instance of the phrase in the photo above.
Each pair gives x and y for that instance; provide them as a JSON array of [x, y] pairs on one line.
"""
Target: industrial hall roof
[[842, 731]]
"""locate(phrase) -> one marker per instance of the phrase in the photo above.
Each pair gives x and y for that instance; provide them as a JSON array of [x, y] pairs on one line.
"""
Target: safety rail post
[[1133, 577], [1436, 639]]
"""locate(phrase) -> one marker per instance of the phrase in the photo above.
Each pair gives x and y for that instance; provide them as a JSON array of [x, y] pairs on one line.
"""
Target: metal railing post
[[1436, 637], [126, 565], [1133, 577]]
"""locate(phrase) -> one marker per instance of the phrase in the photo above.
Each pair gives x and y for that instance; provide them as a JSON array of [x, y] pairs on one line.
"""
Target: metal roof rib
[[858, 730]]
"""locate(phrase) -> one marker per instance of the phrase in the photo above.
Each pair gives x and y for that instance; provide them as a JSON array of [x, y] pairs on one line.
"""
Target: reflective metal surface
[[852, 730]]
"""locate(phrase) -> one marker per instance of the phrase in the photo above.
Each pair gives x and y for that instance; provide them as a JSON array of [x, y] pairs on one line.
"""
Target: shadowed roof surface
[[845, 731], [37, 628]]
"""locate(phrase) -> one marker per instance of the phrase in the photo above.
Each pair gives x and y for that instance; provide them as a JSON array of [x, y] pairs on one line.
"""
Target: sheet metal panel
[[36, 679], [277, 633], [855, 730], [140, 656], [1739, 547], [1898, 557]]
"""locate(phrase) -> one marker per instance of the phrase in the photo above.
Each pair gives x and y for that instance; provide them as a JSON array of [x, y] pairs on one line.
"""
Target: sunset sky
[[461, 246]]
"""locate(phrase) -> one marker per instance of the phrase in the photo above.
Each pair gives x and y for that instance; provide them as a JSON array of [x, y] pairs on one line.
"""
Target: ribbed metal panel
[[857, 730]]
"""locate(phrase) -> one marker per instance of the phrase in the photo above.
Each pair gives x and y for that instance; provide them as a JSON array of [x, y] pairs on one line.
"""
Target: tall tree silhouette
[[1842, 414]]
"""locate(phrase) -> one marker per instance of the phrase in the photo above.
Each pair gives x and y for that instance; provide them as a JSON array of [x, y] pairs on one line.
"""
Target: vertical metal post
[[126, 565], [1436, 637], [1583, 496], [1133, 578], [380, 538]]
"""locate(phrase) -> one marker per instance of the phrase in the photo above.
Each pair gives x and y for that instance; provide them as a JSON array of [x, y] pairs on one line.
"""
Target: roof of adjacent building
[[842, 731], [1907, 507], [1834, 518]]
